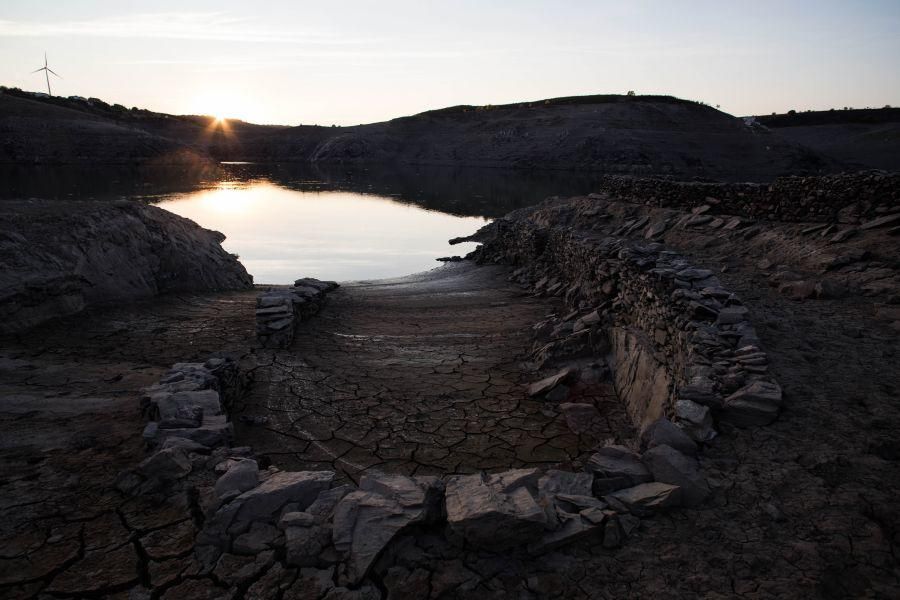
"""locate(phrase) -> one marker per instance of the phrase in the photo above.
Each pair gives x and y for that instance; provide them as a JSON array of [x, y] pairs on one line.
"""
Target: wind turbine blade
[[38, 70], [58, 75], [45, 59]]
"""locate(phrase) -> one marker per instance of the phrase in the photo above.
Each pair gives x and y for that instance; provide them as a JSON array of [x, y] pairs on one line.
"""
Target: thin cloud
[[296, 58], [208, 26]]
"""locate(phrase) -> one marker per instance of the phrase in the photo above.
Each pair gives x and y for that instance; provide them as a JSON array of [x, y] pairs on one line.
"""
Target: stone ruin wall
[[668, 324], [280, 309], [844, 197], [673, 332]]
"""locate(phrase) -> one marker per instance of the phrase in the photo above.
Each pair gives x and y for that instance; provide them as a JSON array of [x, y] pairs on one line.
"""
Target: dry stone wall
[[844, 197], [279, 310], [678, 343], [253, 522], [681, 350]]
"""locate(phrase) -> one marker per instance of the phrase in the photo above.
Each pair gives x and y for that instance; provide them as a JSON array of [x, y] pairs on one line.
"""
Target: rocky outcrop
[[280, 309], [60, 257]]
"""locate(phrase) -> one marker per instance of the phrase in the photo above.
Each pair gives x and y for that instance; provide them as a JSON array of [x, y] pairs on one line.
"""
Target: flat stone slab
[[548, 383]]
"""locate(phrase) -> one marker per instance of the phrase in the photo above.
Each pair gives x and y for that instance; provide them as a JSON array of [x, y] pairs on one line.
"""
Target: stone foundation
[[675, 345], [673, 333], [865, 194], [279, 310]]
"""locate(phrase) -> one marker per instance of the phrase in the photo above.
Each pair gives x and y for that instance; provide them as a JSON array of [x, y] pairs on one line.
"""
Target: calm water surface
[[281, 234], [290, 221]]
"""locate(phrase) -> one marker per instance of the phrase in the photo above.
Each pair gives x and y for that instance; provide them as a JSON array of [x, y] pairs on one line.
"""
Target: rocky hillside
[[620, 134], [57, 258], [867, 137], [657, 135], [34, 131]]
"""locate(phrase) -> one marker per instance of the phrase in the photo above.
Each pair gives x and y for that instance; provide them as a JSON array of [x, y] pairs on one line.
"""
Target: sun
[[221, 106]]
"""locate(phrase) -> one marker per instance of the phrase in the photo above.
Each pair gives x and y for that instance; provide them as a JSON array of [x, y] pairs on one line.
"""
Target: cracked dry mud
[[425, 375], [420, 375]]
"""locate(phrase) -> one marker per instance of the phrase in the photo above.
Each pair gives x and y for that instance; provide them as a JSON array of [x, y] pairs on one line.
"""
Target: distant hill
[[868, 137], [642, 135], [36, 130]]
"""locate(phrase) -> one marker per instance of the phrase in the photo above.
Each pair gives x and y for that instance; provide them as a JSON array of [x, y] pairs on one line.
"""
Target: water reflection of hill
[[68, 182], [454, 190]]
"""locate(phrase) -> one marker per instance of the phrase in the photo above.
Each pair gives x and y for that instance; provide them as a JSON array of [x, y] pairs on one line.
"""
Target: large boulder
[[668, 465], [495, 511], [640, 376], [263, 503], [240, 477], [616, 467], [280, 488], [663, 432], [365, 521]]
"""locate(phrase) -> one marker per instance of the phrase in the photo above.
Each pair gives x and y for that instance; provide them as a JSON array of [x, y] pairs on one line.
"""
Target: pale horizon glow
[[317, 63]]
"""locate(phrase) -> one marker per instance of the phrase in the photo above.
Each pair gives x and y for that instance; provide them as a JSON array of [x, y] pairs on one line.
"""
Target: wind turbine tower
[[47, 70]]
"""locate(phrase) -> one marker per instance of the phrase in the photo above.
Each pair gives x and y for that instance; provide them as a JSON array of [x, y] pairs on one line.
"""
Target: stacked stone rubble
[[259, 519], [279, 310], [187, 414], [651, 300], [865, 194], [338, 533], [628, 300]]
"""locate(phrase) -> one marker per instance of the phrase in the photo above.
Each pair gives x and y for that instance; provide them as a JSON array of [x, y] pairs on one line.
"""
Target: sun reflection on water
[[281, 234]]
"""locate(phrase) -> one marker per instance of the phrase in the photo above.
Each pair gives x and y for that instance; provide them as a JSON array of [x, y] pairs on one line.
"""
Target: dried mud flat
[[427, 377], [421, 375]]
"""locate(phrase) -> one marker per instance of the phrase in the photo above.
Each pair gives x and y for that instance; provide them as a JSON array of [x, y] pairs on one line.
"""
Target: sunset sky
[[363, 61]]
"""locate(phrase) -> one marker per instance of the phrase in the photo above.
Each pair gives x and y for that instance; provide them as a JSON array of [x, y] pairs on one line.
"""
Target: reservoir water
[[339, 223]]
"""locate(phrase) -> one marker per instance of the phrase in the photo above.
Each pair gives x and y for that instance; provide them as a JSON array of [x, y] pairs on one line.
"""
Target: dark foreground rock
[[59, 258]]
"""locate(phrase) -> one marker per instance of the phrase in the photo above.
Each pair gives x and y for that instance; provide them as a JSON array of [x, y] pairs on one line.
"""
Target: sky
[[350, 62]]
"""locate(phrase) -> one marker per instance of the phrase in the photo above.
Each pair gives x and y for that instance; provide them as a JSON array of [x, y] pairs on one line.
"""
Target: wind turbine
[[47, 70]]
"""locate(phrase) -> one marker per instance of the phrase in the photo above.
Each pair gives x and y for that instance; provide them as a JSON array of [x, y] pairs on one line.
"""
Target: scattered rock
[[615, 468], [663, 432], [588, 320], [755, 404], [843, 236], [646, 498], [671, 466], [549, 383], [695, 419], [884, 221]]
